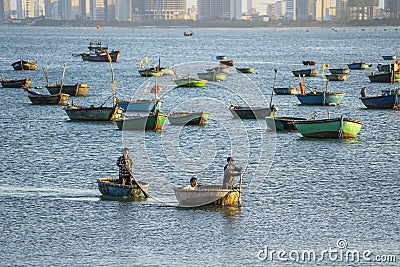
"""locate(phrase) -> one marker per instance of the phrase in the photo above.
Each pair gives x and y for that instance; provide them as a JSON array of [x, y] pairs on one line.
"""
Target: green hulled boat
[[153, 122], [189, 118], [212, 76], [329, 128], [190, 82]]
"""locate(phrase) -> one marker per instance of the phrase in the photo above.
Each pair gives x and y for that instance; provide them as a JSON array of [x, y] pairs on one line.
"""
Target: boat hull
[[228, 62], [305, 73], [101, 57], [212, 76], [154, 122], [250, 113], [21, 83], [282, 123], [384, 77], [245, 70], [72, 90], [194, 118], [389, 101], [329, 128], [24, 65], [150, 72], [340, 71], [208, 195], [190, 82], [336, 77], [138, 105], [78, 113], [109, 187], [321, 98], [358, 65], [285, 90], [40, 99]]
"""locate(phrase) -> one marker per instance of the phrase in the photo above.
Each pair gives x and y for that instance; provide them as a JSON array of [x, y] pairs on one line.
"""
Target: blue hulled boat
[[359, 65], [388, 100], [111, 188]]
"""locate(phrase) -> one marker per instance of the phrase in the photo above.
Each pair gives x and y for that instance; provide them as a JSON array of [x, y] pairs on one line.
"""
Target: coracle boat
[[78, 89], [111, 188], [190, 82], [329, 128], [212, 76], [40, 99], [206, 195], [152, 122], [189, 118], [254, 113], [99, 53], [282, 123], [19, 83], [24, 65], [93, 113]]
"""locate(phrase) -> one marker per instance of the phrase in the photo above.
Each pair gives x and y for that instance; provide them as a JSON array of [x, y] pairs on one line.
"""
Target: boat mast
[[273, 87], [62, 77]]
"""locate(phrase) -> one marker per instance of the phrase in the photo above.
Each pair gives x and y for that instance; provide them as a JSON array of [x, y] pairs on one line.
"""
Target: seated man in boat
[[193, 183], [125, 168], [230, 171]]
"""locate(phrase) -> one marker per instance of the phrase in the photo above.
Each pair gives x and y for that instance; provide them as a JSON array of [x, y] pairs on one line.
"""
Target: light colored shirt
[[229, 176]]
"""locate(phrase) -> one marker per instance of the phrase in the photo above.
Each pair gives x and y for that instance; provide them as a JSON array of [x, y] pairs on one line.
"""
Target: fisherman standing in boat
[[125, 168], [230, 171]]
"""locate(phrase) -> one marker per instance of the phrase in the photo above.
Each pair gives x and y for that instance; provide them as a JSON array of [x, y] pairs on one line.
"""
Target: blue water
[[299, 194]]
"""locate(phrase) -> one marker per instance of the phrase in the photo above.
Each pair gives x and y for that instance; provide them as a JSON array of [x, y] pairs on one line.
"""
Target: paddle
[[240, 189], [138, 184]]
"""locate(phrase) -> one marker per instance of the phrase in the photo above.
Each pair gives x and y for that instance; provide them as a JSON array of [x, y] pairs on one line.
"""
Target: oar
[[138, 184], [240, 190]]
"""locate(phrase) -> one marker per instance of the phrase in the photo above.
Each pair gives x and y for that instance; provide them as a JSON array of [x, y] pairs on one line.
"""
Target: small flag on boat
[[141, 64], [146, 59], [396, 65], [156, 89], [108, 57], [324, 66], [98, 26]]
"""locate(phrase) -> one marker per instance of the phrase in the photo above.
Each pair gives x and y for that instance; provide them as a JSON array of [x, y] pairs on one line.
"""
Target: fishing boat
[[40, 99], [93, 113], [188, 33], [190, 82], [228, 62], [154, 121], [358, 65], [309, 62], [339, 70], [221, 57], [99, 53], [250, 113], [385, 67], [18, 83], [78, 89], [111, 188], [285, 90], [329, 128], [316, 97], [277, 123], [305, 72], [151, 72], [384, 77], [212, 76], [142, 105], [207, 195], [245, 70], [188, 118], [389, 57], [388, 100], [336, 77], [24, 65]]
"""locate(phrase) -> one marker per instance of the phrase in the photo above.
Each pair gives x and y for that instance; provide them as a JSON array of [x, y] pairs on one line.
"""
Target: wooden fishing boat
[[228, 62], [99, 53], [190, 82], [151, 72], [282, 123], [24, 65], [329, 128], [388, 100], [384, 77], [18, 83], [385, 67], [337, 77], [141, 105], [309, 62], [78, 89], [206, 195], [305, 72], [40, 99], [188, 33], [359, 65], [320, 98], [152, 122], [251, 113], [285, 90], [93, 113], [212, 76], [188, 118], [245, 70], [221, 57], [111, 188], [339, 70], [389, 57]]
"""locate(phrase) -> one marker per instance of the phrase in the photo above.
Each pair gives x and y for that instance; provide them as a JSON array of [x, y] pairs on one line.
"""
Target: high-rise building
[[342, 10], [291, 10], [165, 9], [5, 9], [391, 8], [281, 8], [219, 9], [251, 7]]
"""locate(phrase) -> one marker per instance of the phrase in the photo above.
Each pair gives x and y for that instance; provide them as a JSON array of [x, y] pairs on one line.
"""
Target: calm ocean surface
[[299, 194]]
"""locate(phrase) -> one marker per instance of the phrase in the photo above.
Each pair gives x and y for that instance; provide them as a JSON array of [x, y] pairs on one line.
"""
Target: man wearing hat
[[124, 163], [230, 171]]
